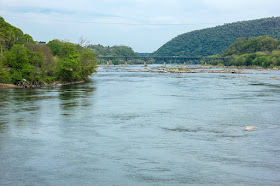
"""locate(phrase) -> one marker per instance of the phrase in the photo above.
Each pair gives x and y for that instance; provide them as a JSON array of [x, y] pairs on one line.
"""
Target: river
[[127, 127]]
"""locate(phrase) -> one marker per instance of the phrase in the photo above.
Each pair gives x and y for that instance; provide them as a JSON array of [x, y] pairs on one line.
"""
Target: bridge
[[163, 58]]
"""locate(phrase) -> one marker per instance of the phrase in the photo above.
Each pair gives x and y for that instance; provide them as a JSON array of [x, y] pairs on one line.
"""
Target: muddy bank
[[8, 86]]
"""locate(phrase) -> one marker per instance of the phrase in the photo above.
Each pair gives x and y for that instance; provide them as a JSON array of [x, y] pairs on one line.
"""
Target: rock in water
[[248, 128]]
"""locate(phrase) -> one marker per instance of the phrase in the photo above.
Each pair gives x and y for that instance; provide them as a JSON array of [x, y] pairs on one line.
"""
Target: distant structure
[[42, 42]]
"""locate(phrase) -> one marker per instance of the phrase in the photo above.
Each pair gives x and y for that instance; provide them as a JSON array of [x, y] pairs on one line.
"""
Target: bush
[[69, 69]]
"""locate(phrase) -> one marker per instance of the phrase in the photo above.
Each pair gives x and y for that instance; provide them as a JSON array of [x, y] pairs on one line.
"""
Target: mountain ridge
[[215, 40]]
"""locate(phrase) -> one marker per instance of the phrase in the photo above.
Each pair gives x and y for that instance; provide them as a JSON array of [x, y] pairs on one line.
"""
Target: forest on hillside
[[216, 40], [121, 50], [261, 51], [27, 63]]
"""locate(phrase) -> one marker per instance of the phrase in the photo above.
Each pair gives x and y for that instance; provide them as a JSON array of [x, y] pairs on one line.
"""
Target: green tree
[[88, 63], [23, 60], [69, 69], [16, 57], [100, 50], [216, 40], [4, 74], [55, 46], [252, 45]]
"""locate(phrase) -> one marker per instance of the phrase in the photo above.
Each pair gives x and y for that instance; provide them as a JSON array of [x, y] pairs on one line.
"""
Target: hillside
[[253, 45], [215, 40], [27, 63], [10, 35], [120, 50], [261, 51]]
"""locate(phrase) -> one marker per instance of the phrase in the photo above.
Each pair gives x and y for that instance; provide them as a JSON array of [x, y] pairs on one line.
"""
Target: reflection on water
[[73, 96], [24, 106], [137, 128]]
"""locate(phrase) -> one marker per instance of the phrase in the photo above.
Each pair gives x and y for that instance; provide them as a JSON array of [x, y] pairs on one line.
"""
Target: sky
[[144, 25]]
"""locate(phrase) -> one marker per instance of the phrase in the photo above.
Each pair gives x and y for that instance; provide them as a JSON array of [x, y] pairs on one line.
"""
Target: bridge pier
[[126, 64], [164, 64], [145, 64], [163, 58], [185, 64]]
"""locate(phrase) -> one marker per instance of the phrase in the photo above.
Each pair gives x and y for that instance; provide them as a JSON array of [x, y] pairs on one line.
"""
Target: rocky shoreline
[[200, 69], [12, 86], [184, 70]]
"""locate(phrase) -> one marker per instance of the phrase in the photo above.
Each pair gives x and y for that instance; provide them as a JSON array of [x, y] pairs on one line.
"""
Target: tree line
[[120, 50], [261, 51], [215, 40], [24, 61]]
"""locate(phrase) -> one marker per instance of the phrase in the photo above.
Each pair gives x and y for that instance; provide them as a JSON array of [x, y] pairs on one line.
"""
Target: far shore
[[201, 69], [257, 68], [160, 69]]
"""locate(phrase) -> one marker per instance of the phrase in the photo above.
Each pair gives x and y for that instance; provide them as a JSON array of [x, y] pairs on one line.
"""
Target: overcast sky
[[144, 25]]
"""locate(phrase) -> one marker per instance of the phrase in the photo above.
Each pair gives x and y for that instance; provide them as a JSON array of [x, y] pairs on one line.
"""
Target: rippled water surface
[[141, 128]]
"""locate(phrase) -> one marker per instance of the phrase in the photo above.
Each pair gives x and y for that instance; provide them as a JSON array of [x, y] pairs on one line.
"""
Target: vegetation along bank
[[263, 51], [26, 63]]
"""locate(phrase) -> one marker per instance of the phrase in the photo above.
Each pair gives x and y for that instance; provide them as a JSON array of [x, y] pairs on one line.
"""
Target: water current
[[126, 127]]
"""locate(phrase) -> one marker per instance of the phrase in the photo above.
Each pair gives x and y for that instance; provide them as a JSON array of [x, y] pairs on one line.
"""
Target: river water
[[140, 128]]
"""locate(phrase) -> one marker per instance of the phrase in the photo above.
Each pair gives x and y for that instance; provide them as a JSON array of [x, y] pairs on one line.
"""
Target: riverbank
[[8, 86], [11, 86]]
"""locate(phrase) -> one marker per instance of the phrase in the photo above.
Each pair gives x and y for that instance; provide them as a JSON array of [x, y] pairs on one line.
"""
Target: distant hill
[[253, 45], [143, 54], [261, 51], [216, 40], [120, 50]]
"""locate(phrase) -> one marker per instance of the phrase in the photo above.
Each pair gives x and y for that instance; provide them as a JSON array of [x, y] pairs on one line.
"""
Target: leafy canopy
[[261, 51], [23, 60], [216, 40]]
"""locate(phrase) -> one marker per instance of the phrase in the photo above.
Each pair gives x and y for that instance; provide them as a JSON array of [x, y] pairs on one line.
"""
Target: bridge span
[[160, 57], [163, 58]]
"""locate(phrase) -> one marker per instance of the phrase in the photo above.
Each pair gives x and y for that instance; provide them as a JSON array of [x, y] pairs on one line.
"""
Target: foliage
[[23, 60], [4, 74], [55, 46], [112, 51], [252, 45], [106, 51], [62, 49], [263, 60], [10, 35], [143, 54], [259, 51], [76, 63], [69, 69], [216, 40]]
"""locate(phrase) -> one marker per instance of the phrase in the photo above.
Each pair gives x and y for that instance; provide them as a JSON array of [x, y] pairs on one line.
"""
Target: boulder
[[249, 128]]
